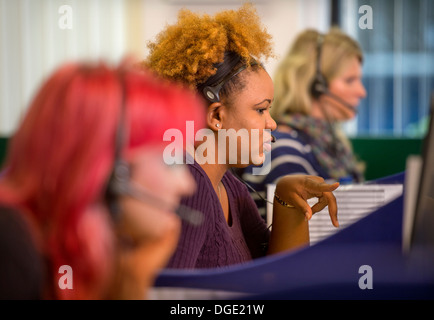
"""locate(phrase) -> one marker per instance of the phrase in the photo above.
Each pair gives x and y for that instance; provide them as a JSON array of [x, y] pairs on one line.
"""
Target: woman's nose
[[271, 124], [362, 91]]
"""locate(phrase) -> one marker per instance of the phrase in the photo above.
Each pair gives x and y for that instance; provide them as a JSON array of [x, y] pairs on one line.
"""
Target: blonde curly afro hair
[[189, 50]]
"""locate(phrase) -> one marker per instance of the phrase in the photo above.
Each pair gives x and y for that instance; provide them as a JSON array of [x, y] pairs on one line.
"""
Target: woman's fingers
[[316, 186], [321, 204], [302, 205], [333, 212], [309, 187], [325, 196], [332, 206]]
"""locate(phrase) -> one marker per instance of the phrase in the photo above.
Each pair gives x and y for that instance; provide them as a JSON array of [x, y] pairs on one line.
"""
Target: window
[[399, 63]]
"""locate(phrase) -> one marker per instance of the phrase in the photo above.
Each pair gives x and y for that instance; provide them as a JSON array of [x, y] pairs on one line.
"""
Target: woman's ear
[[213, 118]]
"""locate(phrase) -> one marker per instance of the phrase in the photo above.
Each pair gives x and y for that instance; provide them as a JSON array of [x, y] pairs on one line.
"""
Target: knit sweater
[[215, 243]]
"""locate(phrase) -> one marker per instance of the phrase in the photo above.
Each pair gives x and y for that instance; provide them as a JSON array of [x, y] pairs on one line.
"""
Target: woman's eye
[[350, 80], [261, 111]]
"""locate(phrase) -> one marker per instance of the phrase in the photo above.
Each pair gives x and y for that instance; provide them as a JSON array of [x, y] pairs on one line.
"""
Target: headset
[[320, 84], [320, 87], [120, 183], [119, 179], [212, 93]]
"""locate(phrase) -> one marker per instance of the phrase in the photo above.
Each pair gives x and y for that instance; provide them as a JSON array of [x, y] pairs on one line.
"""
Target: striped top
[[310, 146], [215, 243]]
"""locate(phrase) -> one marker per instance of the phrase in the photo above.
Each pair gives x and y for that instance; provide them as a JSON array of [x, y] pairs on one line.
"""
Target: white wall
[[32, 43], [283, 18]]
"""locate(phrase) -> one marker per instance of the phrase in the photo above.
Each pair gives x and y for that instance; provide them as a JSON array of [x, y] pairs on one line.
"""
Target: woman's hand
[[140, 257], [297, 189]]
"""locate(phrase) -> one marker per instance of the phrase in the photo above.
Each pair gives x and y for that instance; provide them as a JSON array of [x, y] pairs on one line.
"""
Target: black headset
[[320, 84], [320, 87], [212, 93], [118, 183]]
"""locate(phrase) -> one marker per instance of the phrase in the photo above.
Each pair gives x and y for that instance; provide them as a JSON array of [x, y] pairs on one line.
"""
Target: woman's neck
[[215, 172]]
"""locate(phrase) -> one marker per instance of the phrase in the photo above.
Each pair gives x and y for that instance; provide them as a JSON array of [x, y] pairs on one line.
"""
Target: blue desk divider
[[331, 269]]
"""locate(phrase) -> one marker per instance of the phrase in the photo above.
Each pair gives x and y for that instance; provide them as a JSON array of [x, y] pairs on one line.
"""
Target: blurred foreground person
[[87, 202]]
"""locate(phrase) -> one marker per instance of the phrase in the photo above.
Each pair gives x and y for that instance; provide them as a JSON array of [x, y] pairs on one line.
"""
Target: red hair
[[60, 158]]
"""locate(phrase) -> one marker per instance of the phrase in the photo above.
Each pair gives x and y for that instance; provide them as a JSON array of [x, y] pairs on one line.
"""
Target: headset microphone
[[319, 88], [120, 183], [341, 101], [187, 214], [320, 85]]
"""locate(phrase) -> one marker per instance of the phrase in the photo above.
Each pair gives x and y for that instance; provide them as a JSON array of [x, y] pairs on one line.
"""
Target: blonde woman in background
[[318, 85]]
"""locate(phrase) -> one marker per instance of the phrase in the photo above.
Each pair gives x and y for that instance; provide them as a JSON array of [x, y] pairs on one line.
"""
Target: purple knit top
[[215, 243]]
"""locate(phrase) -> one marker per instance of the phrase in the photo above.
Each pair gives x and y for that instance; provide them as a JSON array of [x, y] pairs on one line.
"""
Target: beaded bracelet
[[283, 203]]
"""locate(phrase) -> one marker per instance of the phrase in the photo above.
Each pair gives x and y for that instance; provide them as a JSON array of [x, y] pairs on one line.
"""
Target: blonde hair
[[295, 74], [190, 50]]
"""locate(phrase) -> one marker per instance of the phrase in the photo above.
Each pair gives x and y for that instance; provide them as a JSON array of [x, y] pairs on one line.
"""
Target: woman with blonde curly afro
[[220, 57]]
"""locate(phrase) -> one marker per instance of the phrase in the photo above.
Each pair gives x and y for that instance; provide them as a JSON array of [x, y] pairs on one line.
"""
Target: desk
[[328, 269]]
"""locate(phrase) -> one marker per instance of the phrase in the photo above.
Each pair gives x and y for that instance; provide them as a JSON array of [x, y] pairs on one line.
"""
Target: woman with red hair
[[87, 204]]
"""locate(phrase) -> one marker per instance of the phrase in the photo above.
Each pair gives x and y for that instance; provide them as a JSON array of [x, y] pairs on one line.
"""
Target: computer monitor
[[422, 235]]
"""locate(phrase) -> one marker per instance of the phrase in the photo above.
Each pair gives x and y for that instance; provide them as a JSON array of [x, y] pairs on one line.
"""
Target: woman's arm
[[291, 212]]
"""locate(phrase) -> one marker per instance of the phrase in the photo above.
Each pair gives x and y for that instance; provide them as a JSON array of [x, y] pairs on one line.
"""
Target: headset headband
[[120, 174], [319, 84], [212, 93]]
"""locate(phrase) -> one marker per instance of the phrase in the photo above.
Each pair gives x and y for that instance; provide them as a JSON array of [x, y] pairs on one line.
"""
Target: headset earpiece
[[117, 186], [118, 182], [211, 94], [319, 85], [119, 179]]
